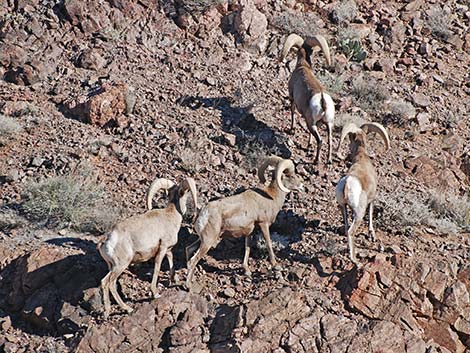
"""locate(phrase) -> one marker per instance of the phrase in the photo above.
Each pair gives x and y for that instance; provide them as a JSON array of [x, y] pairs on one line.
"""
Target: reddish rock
[[179, 312], [269, 318], [432, 173], [251, 25], [108, 106], [91, 59]]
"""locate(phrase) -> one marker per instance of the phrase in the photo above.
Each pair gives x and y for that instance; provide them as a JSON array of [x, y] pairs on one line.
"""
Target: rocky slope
[[137, 90]]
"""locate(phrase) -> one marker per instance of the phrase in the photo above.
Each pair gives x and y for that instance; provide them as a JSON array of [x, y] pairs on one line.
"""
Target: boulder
[[250, 25]]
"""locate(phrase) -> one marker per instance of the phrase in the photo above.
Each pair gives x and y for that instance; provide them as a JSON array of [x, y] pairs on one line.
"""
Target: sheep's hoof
[[128, 309], [156, 295], [247, 273]]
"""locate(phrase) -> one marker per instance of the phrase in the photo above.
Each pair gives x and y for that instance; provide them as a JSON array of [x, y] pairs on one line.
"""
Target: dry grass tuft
[[445, 212], [401, 112], [438, 21], [369, 94], [8, 128], [10, 219], [69, 201], [301, 24], [345, 11]]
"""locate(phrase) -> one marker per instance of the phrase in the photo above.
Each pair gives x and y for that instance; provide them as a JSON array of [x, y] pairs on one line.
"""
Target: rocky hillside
[[97, 98]]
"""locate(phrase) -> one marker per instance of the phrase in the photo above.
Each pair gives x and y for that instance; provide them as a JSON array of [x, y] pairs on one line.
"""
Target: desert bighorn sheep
[[306, 92], [142, 237], [359, 187], [238, 215]]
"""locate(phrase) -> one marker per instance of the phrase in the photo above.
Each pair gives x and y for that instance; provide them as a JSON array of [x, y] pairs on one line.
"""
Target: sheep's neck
[[360, 155], [175, 207], [276, 194], [303, 61]]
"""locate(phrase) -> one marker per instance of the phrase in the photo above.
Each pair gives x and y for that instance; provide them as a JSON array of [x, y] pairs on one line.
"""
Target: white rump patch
[[201, 220], [354, 192], [317, 112], [340, 191], [110, 244]]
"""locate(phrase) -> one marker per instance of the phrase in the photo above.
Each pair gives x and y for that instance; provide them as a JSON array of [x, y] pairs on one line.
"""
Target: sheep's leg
[[203, 250], [156, 272], [267, 238], [371, 226], [314, 131], [169, 257], [345, 219], [292, 116], [247, 254], [358, 215], [112, 280], [105, 290], [329, 127]]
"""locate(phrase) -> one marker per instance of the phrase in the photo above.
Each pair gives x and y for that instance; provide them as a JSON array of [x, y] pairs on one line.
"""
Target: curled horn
[[378, 129], [347, 129], [293, 40], [320, 41], [269, 161], [157, 184], [190, 184], [283, 165]]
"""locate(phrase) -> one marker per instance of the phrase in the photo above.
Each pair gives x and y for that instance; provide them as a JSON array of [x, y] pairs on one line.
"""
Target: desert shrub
[[197, 6], [302, 24], [253, 153], [369, 94], [445, 212], [10, 219], [452, 207], [345, 11], [72, 200], [195, 155], [401, 112], [438, 21], [8, 127], [333, 83], [344, 118]]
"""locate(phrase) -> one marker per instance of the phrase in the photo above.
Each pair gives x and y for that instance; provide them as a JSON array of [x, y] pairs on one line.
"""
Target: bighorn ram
[[238, 215], [142, 237], [359, 187], [306, 92]]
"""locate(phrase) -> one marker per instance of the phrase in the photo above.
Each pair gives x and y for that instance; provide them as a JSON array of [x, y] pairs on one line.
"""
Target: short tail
[[323, 102]]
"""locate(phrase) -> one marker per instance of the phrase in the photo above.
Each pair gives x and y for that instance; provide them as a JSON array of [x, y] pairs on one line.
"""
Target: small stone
[[421, 100], [13, 175], [229, 292], [425, 49], [406, 61], [438, 78], [37, 161], [5, 323], [211, 81], [423, 121]]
